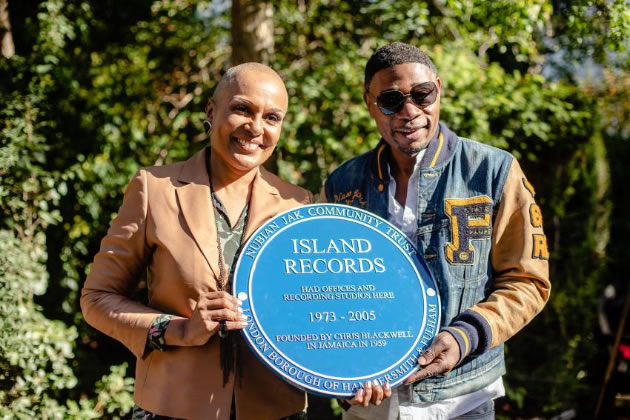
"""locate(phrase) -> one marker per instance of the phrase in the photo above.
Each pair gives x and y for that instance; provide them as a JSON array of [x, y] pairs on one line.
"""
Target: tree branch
[[6, 38], [449, 18]]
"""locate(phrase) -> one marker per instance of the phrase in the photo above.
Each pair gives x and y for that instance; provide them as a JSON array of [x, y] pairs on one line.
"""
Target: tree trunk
[[252, 31], [252, 40], [6, 39]]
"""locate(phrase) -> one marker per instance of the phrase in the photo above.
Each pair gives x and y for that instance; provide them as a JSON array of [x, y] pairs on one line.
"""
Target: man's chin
[[410, 151]]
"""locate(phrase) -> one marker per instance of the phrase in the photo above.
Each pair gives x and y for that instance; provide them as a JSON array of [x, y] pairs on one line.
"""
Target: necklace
[[229, 349], [223, 280], [222, 277]]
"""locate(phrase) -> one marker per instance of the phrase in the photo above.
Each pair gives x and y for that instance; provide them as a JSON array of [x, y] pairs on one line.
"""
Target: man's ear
[[368, 102], [366, 98]]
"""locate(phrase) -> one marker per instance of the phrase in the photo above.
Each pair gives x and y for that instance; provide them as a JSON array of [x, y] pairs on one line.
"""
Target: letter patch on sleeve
[[535, 215], [540, 250], [471, 218], [529, 187]]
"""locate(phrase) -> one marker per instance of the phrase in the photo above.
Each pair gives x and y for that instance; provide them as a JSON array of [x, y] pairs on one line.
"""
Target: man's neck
[[401, 169], [402, 165]]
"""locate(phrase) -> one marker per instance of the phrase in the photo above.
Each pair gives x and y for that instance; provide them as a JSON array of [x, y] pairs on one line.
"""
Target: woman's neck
[[224, 177], [233, 189]]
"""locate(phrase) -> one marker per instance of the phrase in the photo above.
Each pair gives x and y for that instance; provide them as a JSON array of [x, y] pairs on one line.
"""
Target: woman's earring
[[207, 125]]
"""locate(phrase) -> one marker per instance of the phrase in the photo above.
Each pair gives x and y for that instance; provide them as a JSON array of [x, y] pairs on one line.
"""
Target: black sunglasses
[[392, 101]]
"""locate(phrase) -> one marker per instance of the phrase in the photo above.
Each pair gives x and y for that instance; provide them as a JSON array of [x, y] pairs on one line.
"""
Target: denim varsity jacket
[[480, 233]]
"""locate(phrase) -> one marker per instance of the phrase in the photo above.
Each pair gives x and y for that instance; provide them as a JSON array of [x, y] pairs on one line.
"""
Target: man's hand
[[371, 392], [438, 360]]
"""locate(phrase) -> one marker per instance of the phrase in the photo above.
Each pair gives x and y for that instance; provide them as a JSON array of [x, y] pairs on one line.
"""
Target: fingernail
[[240, 302], [422, 360], [375, 382], [386, 386], [243, 323], [240, 309], [360, 392], [368, 385]]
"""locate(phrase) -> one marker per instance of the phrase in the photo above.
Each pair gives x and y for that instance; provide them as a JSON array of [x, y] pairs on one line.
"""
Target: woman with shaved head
[[184, 224]]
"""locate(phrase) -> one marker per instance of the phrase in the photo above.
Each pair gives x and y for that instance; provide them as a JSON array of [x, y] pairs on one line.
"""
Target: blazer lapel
[[194, 200], [263, 204]]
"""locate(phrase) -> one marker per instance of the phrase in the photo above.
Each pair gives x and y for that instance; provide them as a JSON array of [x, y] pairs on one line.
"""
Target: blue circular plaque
[[335, 296]]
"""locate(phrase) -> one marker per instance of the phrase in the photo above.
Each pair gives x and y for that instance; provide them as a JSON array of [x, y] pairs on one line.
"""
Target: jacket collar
[[440, 149], [194, 200]]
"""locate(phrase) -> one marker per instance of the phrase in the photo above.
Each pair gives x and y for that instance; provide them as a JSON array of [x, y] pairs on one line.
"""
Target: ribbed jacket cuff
[[472, 333]]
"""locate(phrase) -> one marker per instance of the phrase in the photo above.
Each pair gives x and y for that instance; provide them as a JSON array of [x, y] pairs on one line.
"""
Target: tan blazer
[[166, 225]]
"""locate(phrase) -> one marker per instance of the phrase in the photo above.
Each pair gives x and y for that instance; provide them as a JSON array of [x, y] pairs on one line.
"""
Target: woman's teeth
[[246, 144]]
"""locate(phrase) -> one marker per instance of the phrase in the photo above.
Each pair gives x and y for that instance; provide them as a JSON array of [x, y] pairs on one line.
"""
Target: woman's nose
[[255, 126]]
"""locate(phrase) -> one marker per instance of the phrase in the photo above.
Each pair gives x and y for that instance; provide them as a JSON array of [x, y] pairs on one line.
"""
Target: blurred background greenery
[[91, 90]]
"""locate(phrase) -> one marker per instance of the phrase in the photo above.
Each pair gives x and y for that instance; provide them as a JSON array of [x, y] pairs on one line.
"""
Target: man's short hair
[[393, 54]]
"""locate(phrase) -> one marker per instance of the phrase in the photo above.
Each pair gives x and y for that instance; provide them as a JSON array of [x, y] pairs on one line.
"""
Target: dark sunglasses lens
[[390, 102], [424, 96]]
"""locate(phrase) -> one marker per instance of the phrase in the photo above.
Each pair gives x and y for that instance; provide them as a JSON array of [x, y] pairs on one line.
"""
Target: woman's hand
[[211, 309], [372, 392]]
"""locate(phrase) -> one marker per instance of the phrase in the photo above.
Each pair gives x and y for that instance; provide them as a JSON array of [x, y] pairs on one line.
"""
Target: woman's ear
[[210, 111]]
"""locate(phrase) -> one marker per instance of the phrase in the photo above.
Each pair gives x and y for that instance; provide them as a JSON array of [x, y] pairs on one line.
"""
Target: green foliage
[[113, 397], [322, 48], [34, 351], [595, 28]]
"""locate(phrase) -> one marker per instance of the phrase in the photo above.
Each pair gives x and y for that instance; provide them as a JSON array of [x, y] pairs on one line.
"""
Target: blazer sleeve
[[116, 271], [519, 258]]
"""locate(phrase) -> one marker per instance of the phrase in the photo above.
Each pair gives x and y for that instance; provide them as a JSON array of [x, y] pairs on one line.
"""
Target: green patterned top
[[231, 239]]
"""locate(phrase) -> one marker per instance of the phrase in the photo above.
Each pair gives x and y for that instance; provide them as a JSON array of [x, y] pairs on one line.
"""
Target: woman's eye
[[241, 108], [274, 117]]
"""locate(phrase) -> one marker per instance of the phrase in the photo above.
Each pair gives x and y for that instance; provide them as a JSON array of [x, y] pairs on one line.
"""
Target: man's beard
[[410, 151]]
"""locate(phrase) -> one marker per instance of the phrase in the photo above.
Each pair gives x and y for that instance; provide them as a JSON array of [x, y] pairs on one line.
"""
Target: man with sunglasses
[[471, 212]]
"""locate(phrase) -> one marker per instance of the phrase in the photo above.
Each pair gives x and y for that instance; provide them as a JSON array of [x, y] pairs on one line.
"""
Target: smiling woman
[[246, 114], [184, 224]]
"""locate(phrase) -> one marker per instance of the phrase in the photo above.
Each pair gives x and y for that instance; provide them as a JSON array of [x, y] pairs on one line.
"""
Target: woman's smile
[[247, 144]]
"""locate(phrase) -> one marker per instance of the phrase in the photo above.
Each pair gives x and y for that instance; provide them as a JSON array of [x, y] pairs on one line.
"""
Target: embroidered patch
[[535, 216], [529, 187], [351, 198], [471, 218], [540, 250]]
